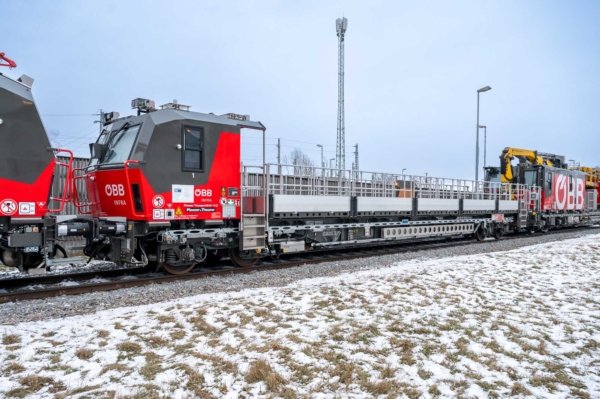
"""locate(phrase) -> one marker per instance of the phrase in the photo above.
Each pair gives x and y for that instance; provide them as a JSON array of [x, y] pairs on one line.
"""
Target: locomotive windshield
[[120, 144]]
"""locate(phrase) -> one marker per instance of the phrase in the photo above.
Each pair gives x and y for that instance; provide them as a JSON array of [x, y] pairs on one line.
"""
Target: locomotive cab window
[[530, 177], [120, 144], [193, 149]]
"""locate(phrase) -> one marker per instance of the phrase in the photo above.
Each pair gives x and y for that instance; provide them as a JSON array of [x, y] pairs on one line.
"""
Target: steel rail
[[275, 265]]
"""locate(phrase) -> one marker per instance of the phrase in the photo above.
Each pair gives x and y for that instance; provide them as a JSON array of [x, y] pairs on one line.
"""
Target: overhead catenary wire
[[74, 139], [68, 114]]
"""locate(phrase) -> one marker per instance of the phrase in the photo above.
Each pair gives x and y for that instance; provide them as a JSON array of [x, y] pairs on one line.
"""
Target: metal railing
[[308, 180], [62, 180], [252, 181]]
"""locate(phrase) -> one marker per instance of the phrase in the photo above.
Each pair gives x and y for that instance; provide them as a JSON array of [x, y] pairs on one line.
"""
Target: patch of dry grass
[[32, 383], [130, 347], [11, 339], [84, 353], [103, 334], [13, 368], [118, 367], [261, 371]]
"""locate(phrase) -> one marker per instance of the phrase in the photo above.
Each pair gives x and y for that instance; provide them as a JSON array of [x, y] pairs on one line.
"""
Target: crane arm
[[509, 153], [534, 157], [7, 61]]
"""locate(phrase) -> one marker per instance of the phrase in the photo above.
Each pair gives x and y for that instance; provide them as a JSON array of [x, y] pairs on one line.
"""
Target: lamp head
[[486, 88]]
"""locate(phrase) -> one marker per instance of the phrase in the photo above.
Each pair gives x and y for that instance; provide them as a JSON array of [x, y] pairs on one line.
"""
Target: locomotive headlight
[[1, 121], [178, 146]]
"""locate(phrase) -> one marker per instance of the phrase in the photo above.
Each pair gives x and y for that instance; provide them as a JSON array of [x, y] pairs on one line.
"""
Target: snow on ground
[[518, 323]]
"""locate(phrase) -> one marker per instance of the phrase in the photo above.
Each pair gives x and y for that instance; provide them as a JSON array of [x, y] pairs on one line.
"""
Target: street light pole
[[483, 89], [322, 161], [484, 144]]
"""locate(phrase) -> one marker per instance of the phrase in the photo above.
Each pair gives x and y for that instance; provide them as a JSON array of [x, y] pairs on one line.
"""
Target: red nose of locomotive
[[167, 165], [26, 164]]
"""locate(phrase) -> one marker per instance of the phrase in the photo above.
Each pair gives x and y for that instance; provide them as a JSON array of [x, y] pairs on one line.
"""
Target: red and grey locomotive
[[27, 169], [161, 173]]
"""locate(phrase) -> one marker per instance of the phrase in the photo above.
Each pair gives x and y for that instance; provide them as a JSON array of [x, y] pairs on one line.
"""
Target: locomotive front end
[[172, 177]]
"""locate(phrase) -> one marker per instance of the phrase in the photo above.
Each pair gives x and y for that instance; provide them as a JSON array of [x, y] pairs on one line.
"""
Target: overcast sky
[[412, 72]]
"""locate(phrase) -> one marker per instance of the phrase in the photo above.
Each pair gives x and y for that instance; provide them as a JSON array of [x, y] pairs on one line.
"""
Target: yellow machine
[[592, 180], [533, 157]]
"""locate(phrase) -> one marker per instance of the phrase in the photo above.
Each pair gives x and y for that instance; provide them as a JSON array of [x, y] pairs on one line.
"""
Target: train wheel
[[178, 269], [480, 234], [13, 259], [544, 229], [234, 254], [498, 233]]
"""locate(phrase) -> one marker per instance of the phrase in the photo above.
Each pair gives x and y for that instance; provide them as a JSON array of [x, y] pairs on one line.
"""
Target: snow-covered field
[[519, 323]]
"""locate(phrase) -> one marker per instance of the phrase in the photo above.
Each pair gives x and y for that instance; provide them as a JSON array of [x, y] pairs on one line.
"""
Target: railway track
[[40, 287]]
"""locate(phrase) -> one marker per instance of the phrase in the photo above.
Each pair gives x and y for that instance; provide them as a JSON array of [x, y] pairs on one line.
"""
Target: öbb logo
[[114, 190], [567, 196]]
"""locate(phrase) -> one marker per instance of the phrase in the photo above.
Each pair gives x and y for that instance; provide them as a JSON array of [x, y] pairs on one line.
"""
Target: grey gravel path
[[43, 309]]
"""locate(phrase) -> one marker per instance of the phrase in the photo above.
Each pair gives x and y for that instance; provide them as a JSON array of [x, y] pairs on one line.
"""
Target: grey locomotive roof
[[167, 115]]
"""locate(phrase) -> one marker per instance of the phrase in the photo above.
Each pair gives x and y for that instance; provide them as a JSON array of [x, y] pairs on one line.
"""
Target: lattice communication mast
[[341, 24]]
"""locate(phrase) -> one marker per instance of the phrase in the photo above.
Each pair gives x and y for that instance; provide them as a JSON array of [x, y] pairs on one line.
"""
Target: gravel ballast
[[65, 306]]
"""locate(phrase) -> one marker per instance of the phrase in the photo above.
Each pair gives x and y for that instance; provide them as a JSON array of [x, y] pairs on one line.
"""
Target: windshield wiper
[[109, 143]]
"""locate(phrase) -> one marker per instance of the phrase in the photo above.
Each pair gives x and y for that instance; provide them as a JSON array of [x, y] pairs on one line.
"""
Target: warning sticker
[[26, 208], [158, 201], [169, 214], [158, 214], [178, 212], [8, 207]]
